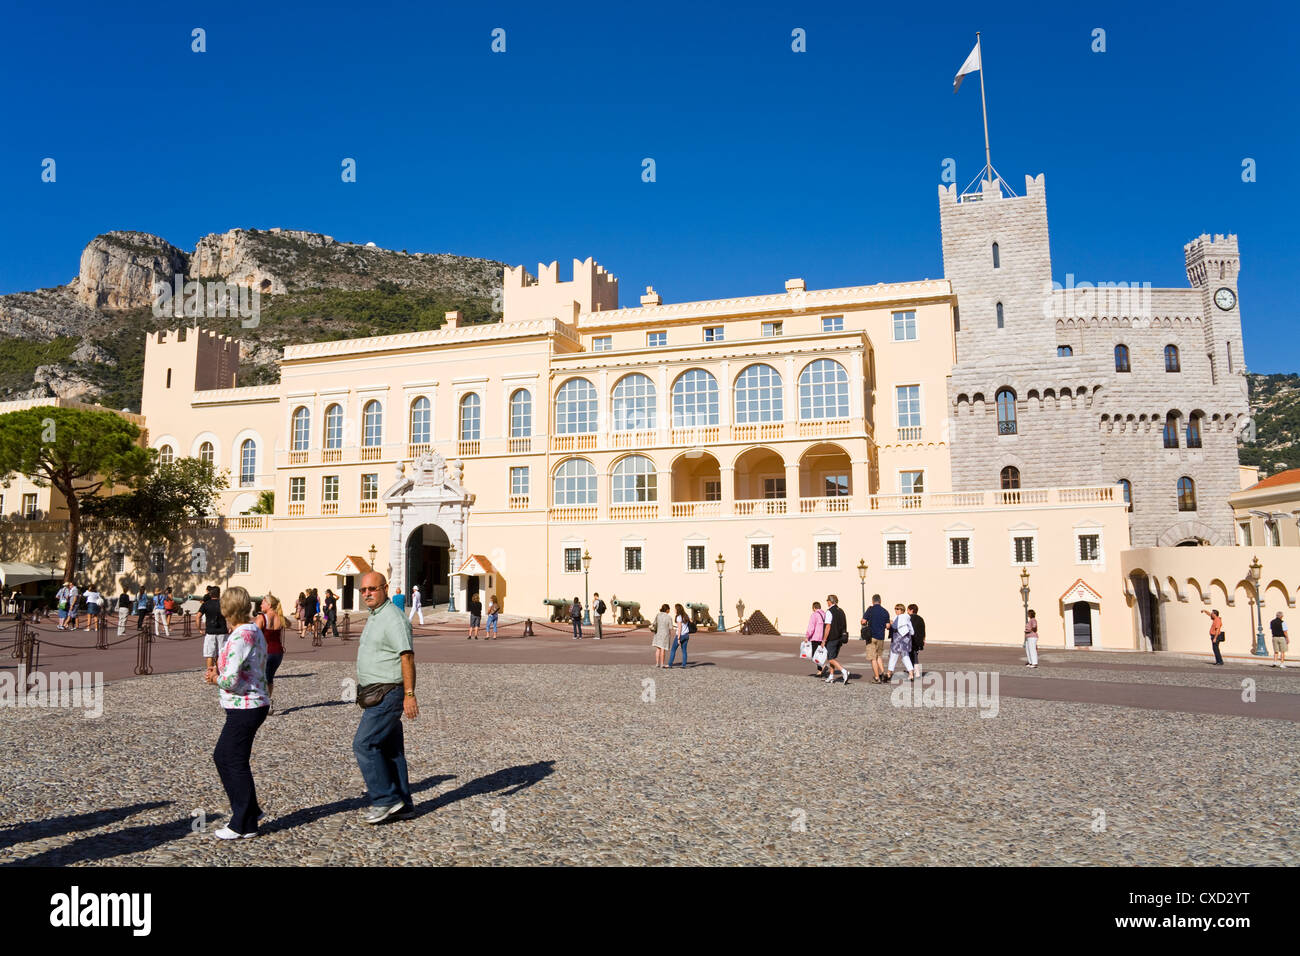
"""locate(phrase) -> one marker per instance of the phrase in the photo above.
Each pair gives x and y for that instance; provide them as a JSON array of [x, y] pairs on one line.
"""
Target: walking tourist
[[94, 606], [1216, 634], [875, 625], [214, 626], [837, 635], [385, 692], [61, 601], [493, 617], [815, 632], [575, 615], [475, 614], [681, 634], [663, 625], [169, 608], [313, 613], [331, 613], [123, 609], [271, 622], [417, 606], [901, 643], [1279, 629], [597, 609], [143, 605], [300, 613], [1031, 639], [241, 676], [160, 625], [918, 635]]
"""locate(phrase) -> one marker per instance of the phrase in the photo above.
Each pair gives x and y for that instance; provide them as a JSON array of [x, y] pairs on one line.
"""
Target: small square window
[[297, 490], [29, 507], [773, 487], [572, 560], [656, 339], [241, 562], [602, 343], [156, 562], [911, 482], [370, 487], [81, 560], [695, 557], [1024, 550], [119, 562], [760, 557], [1244, 527], [632, 559], [896, 554], [1089, 547], [771, 329], [713, 491], [904, 326], [959, 552], [519, 480], [832, 323], [828, 555], [713, 333], [330, 488], [1064, 351], [836, 486]]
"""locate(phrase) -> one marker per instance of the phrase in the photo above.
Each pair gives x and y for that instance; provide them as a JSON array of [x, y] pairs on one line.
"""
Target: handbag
[[819, 658], [371, 694], [1222, 633], [805, 651]]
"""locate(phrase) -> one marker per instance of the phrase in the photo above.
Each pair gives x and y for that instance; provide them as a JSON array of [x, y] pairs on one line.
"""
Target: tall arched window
[[1000, 316], [1171, 358], [575, 483], [521, 413], [373, 429], [1194, 431], [207, 453], [166, 455], [635, 480], [301, 429], [247, 463], [334, 427], [634, 404], [823, 391], [471, 417], [575, 407], [997, 263], [1121, 358], [1186, 494], [695, 399], [1171, 430], [1126, 488], [421, 421], [758, 395], [1010, 478], [1006, 411]]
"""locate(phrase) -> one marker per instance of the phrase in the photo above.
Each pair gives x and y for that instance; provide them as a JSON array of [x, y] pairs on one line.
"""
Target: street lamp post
[[862, 580], [722, 622], [1254, 573], [586, 595], [451, 578], [1024, 591]]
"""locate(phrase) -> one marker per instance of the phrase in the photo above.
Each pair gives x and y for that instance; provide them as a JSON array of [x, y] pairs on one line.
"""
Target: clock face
[[1225, 299]]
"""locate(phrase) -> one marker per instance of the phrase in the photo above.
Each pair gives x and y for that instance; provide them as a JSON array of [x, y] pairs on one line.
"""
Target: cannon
[[559, 608], [629, 612], [700, 616]]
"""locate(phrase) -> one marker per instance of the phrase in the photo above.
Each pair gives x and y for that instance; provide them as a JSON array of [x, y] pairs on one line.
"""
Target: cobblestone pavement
[[578, 763]]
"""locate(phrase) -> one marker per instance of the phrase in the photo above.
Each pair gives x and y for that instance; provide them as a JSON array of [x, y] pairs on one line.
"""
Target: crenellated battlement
[[547, 296]]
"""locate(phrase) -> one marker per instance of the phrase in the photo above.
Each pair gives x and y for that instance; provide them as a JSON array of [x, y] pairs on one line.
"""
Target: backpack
[[690, 627], [600, 607], [169, 604], [575, 612]]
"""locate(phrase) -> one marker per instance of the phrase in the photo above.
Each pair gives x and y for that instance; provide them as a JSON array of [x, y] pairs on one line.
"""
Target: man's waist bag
[[369, 695], [690, 627]]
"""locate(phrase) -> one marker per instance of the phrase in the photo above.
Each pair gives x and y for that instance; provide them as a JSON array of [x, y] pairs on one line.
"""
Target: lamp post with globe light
[[1024, 591], [722, 624], [1254, 573], [451, 579], [586, 596], [862, 580]]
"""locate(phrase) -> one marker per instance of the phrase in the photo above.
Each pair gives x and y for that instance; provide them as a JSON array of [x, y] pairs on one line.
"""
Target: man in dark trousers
[[837, 635], [918, 635], [875, 627]]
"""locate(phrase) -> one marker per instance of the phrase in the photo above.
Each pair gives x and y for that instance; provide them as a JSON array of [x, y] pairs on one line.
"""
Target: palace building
[[941, 437]]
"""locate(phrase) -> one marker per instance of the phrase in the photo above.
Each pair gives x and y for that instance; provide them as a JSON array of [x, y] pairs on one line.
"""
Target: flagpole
[[988, 160]]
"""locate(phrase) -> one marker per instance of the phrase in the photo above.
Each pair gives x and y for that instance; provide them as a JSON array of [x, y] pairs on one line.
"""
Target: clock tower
[[1212, 269]]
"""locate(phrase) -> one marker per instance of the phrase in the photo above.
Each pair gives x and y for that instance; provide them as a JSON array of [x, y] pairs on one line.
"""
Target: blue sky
[[770, 164]]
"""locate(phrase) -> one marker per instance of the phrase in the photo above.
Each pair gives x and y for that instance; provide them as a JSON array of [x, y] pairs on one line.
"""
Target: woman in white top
[[901, 645], [681, 634], [663, 634]]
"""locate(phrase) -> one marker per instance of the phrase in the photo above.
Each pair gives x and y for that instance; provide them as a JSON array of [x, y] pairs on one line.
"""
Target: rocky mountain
[[86, 339], [1275, 408]]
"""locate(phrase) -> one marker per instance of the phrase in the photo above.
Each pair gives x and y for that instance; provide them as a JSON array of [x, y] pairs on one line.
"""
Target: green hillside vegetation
[[19, 359], [1276, 403]]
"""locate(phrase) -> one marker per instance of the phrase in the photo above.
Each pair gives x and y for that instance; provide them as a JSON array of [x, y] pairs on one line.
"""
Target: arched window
[[166, 455], [421, 421], [1194, 431], [1171, 358], [823, 391], [1186, 494], [1171, 430], [1121, 358], [634, 403], [1010, 478], [1126, 487], [247, 463], [1000, 317], [695, 399], [1006, 411], [575, 483], [635, 480], [758, 395], [301, 428], [373, 430], [471, 417], [207, 453], [1064, 351], [997, 263], [334, 427], [575, 407], [521, 413]]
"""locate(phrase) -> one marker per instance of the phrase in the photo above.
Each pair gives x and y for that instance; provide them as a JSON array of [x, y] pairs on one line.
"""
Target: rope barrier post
[[347, 626], [143, 664], [20, 632], [528, 628], [316, 634], [101, 633], [33, 655]]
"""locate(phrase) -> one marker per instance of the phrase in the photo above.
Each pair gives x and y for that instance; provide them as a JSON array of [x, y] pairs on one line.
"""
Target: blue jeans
[[380, 749], [577, 627], [673, 653]]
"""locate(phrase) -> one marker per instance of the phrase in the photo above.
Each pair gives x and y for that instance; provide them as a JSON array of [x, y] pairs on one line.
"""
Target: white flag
[[971, 65]]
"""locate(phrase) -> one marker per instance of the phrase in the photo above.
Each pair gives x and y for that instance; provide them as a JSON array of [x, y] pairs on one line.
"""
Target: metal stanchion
[[528, 628], [143, 664]]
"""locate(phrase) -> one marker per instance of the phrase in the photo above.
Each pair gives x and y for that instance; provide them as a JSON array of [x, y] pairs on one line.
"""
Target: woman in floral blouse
[[241, 676]]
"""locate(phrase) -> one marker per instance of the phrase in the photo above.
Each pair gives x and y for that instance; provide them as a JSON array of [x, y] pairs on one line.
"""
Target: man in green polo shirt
[[385, 656]]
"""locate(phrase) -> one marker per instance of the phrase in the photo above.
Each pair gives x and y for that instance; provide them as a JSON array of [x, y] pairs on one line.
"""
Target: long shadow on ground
[[57, 826]]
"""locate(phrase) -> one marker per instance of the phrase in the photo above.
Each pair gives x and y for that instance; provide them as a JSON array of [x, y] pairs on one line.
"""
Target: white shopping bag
[[820, 657], [805, 651]]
